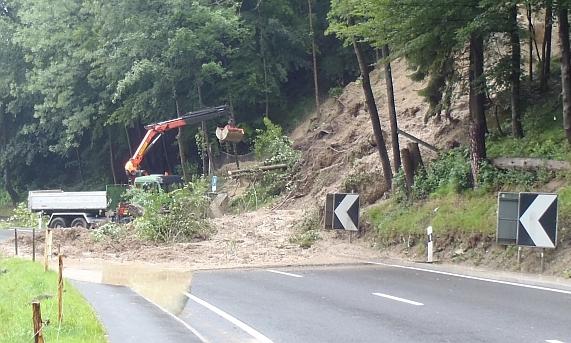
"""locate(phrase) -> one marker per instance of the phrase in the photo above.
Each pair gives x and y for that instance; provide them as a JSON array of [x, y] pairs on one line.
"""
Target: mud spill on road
[[161, 285]]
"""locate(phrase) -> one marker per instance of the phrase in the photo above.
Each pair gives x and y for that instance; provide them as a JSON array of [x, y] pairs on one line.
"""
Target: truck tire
[[79, 223], [58, 223]]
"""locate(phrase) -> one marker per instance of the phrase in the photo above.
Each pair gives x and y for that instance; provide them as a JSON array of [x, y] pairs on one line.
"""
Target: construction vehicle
[[89, 209], [155, 131]]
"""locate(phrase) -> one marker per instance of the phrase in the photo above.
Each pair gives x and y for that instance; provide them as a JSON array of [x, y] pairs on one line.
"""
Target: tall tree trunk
[[112, 156], [530, 29], [314, 53], [375, 121], [128, 140], [204, 143], [392, 110], [546, 46], [477, 112], [166, 155], [517, 130], [233, 122], [565, 69], [180, 141]]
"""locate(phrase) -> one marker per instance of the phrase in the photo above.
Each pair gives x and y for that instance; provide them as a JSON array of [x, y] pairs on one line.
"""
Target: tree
[[392, 109], [546, 45], [562, 15], [517, 130]]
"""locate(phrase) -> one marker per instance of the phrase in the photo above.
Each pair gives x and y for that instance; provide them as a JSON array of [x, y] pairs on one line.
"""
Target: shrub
[[24, 217], [176, 216], [110, 230], [307, 230], [273, 147]]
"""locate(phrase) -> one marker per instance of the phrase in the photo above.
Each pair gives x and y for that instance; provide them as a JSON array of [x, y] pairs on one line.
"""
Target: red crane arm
[[155, 131]]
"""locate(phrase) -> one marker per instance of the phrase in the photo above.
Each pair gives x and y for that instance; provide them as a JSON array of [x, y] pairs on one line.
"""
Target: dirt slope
[[338, 143]]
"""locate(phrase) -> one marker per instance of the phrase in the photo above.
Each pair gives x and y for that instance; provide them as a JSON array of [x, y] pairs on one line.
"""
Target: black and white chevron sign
[[342, 211], [537, 225]]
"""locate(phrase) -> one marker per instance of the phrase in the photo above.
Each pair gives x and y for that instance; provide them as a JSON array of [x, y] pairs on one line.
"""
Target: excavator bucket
[[230, 134]]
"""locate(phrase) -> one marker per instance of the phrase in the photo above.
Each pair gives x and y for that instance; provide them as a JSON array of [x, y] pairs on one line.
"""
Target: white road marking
[[190, 328], [553, 341], [475, 278], [415, 303], [283, 273], [245, 327]]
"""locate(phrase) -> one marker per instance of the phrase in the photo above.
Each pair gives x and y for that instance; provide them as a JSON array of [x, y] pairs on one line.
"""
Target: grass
[[21, 282], [467, 212], [544, 135]]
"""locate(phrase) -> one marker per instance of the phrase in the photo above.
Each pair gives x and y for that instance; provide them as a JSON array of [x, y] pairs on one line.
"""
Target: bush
[[173, 217], [273, 147], [307, 230], [24, 217], [109, 230]]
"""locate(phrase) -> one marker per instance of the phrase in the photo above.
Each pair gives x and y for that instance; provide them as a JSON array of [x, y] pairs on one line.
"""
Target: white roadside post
[[430, 245]]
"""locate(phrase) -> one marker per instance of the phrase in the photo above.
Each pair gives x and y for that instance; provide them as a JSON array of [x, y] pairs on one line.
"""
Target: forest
[[79, 80]]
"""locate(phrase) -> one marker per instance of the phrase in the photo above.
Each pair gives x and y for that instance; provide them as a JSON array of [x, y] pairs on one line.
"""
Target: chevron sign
[[537, 226], [342, 211]]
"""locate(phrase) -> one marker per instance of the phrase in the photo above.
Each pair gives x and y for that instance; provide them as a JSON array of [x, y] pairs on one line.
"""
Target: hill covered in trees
[[80, 79]]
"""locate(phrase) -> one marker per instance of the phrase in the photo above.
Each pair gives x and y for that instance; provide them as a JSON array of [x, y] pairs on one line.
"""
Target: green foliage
[[176, 216], [335, 92], [21, 216], [25, 281], [544, 138], [262, 191], [273, 147], [307, 230], [450, 171], [471, 211], [110, 231], [357, 182]]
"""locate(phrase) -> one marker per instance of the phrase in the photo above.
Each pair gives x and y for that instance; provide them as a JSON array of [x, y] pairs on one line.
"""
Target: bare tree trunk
[[314, 53], [546, 46], [166, 155], [392, 110], [517, 129], [128, 140], [180, 141], [233, 122], [112, 156], [477, 111], [373, 112], [565, 69], [530, 29], [407, 165], [204, 147]]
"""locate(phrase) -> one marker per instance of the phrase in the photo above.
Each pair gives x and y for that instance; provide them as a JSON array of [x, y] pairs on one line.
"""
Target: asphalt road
[[372, 303], [129, 318]]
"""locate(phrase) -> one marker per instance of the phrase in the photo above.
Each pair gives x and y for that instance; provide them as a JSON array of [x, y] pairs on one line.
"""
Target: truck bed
[[58, 200]]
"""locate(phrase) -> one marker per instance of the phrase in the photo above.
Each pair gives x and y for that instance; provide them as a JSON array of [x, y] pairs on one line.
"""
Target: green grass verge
[[23, 281], [543, 130], [467, 212]]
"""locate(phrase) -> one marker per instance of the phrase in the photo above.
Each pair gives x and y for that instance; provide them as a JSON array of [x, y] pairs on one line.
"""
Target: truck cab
[[155, 182]]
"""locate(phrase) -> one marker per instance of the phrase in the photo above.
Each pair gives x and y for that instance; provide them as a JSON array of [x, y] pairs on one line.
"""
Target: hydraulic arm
[[155, 131]]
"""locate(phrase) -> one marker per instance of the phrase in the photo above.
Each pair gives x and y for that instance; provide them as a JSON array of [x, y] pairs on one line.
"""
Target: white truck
[[70, 209]]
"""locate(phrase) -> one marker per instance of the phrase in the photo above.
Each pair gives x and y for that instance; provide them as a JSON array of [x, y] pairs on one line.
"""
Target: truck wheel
[[79, 223], [58, 223]]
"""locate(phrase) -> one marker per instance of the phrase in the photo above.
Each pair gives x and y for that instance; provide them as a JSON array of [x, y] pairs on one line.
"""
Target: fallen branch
[[530, 164]]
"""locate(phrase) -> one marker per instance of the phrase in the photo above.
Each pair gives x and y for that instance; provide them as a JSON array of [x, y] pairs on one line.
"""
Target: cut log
[[408, 171], [257, 170], [417, 162], [229, 134], [530, 164]]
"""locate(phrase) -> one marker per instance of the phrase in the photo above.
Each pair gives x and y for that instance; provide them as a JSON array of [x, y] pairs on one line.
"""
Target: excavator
[[155, 131]]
